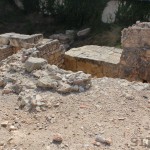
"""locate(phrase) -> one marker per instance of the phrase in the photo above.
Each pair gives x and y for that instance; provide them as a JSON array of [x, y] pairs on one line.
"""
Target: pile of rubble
[[27, 77]]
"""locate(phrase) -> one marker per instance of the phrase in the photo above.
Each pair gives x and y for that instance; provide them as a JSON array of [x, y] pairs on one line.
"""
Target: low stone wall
[[96, 60], [34, 45]]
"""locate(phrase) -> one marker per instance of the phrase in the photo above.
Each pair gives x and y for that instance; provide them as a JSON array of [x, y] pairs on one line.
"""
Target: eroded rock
[[34, 64]]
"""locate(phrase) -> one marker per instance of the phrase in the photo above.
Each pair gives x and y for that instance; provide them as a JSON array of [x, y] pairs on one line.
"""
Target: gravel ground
[[112, 109]]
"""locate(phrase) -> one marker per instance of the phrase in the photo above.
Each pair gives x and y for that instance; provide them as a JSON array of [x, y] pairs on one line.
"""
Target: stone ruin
[[131, 63], [135, 59], [33, 53], [30, 63], [33, 45]]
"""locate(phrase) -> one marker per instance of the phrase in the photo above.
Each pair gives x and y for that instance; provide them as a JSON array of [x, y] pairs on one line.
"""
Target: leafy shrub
[[71, 12]]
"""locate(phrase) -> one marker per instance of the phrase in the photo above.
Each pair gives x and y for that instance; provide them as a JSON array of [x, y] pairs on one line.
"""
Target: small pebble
[[57, 138], [4, 124], [103, 140], [12, 128], [1, 143]]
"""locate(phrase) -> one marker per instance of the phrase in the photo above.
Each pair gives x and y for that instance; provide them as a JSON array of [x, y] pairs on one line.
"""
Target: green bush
[[74, 13]]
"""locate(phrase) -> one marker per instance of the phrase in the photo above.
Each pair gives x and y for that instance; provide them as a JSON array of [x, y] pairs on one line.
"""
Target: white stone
[[34, 63]]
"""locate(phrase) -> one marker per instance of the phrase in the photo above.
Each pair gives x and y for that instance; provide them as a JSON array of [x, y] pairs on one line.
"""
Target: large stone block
[[20, 40], [96, 60]]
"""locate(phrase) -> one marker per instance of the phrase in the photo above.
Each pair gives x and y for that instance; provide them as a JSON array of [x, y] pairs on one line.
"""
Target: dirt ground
[[113, 109]]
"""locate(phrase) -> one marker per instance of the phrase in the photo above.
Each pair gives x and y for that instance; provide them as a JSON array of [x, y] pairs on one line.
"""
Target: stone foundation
[[35, 45], [96, 60]]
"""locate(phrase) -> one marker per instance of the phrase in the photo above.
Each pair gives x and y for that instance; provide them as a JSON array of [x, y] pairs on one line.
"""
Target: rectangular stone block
[[96, 60], [20, 40]]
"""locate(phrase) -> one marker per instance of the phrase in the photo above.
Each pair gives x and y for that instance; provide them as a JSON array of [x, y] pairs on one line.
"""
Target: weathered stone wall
[[135, 59], [132, 63], [34, 45], [51, 50]]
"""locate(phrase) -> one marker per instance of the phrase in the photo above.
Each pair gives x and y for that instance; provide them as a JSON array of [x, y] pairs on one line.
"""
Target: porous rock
[[34, 63]]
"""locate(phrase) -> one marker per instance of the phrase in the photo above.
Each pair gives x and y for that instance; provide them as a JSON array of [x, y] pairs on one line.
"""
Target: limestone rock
[[34, 63], [103, 140], [47, 82], [131, 37], [64, 88]]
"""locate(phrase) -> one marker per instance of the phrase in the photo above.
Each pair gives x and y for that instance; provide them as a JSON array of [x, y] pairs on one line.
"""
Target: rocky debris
[[63, 81], [31, 101], [83, 33], [57, 138], [66, 39], [79, 116], [47, 82], [39, 75], [34, 63]]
